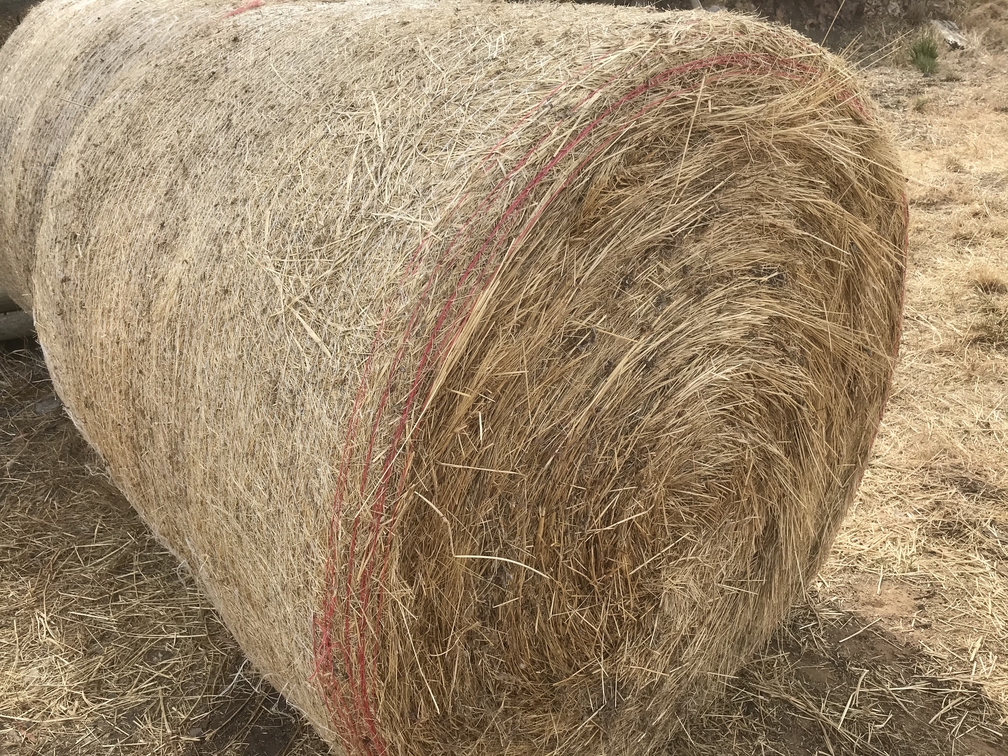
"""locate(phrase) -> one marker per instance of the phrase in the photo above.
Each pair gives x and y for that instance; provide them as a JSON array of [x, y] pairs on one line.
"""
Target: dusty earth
[[107, 647]]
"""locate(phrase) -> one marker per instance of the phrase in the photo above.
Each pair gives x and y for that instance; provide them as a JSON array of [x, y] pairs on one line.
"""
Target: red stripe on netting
[[350, 695], [247, 7]]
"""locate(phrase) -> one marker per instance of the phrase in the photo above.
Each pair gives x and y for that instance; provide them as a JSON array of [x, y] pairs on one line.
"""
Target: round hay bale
[[503, 372]]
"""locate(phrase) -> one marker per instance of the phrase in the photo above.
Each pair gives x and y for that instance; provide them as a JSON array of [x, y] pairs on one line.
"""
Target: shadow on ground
[[831, 682]]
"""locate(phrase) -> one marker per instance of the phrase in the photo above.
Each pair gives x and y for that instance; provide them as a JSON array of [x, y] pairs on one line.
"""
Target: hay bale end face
[[502, 371]]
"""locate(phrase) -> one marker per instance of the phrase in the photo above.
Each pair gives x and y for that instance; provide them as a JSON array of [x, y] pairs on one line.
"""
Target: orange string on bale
[[503, 372]]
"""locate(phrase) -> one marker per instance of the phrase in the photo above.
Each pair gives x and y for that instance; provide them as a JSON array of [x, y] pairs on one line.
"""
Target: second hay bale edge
[[52, 71], [502, 372]]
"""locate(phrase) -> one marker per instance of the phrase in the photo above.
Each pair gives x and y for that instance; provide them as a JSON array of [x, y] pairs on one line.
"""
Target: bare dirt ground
[[107, 647]]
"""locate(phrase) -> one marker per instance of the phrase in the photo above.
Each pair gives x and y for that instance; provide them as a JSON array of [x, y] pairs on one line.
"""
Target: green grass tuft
[[924, 55]]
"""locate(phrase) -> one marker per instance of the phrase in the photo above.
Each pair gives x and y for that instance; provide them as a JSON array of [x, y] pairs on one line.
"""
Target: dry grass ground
[[106, 647]]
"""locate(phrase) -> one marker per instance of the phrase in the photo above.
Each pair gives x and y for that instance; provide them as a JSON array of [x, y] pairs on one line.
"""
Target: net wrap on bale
[[503, 372], [53, 70]]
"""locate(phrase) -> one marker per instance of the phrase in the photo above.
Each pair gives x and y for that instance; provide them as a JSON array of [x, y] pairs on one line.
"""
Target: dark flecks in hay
[[507, 375]]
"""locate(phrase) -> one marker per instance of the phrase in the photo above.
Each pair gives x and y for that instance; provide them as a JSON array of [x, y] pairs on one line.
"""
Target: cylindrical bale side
[[502, 371], [53, 68]]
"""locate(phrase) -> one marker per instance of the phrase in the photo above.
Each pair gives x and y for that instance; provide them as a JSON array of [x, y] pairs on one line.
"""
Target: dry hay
[[106, 645], [502, 372], [45, 93]]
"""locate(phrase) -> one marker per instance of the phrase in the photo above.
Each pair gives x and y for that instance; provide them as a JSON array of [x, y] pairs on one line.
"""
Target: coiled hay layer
[[502, 371]]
